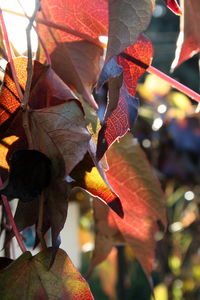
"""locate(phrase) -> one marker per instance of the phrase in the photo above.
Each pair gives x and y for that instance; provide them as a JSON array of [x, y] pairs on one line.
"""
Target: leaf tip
[[116, 205]]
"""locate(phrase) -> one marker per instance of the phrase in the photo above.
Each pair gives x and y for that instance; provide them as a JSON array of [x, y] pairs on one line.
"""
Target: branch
[[10, 58], [12, 221], [39, 38]]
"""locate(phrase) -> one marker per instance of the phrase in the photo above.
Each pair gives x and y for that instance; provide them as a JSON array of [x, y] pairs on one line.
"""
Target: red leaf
[[142, 51], [173, 6], [188, 43], [76, 60], [9, 97], [123, 117], [142, 199]]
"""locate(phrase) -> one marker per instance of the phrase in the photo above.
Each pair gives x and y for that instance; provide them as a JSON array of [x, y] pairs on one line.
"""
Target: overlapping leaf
[[76, 60], [142, 200], [188, 43], [127, 19], [121, 119], [89, 175], [173, 6], [29, 278]]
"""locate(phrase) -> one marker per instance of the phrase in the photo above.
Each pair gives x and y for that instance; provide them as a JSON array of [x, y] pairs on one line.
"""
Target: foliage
[[80, 109]]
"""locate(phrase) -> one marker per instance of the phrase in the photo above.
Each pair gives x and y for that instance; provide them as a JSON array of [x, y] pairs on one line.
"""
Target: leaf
[[78, 64], [130, 175], [127, 19], [173, 6], [106, 234], [76, 61], [35, 281], [61, 134], [134, 61], [9, 97], [188, 43], [90, 176]]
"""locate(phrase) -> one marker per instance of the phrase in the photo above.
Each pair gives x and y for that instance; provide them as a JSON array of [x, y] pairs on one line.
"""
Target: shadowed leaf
[[35, 281], [127, 19]]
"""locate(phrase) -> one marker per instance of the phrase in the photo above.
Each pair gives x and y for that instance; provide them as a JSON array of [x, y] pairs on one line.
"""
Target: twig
[[12, 221], [24, 103], [179, 86], [10, 58], [39, 37], [40, 222], [62, 28], [29, 63]]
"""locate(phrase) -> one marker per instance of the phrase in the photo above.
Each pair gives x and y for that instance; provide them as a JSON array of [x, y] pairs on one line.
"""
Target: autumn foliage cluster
[[67, 123]]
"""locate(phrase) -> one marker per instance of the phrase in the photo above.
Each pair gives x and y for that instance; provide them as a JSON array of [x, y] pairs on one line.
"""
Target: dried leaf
[[36, 281], [127, 19], [188, 43]]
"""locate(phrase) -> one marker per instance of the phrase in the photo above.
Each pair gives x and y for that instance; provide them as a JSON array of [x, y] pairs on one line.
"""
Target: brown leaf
[[29, 278], [127, 19], [188, 43], [60, 132], [78, 64]]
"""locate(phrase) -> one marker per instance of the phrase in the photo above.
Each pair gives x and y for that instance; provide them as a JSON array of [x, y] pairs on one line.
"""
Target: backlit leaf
[[90, 176], [29, 278], [75, 60], [188, 43], [173, 5], [134, 61], [142, 200]]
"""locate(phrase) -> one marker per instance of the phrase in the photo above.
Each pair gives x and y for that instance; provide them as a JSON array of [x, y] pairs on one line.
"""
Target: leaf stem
[[10, 58], [39, 37], [29, 63], [179, 86], [12, 221], [174, 83]]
